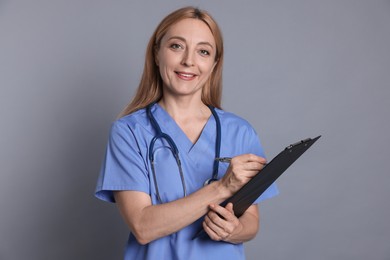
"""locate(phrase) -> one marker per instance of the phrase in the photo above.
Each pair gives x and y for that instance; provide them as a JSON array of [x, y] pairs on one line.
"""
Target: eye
[[175, 46], [204, 52]]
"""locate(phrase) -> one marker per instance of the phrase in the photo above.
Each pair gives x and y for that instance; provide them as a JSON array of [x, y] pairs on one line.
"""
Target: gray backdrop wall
[[294, 69]]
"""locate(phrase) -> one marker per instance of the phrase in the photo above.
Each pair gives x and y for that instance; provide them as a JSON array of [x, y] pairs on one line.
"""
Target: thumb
[[229, 207]]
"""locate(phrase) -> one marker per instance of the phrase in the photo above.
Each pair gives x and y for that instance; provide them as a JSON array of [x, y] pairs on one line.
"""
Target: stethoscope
[[175, 152]]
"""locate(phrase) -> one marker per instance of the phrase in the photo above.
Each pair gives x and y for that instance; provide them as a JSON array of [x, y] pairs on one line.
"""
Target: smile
[[185, 76]]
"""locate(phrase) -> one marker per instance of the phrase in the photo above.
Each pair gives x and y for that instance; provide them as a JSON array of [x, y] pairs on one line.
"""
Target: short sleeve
[[123, 166], [255, 147]]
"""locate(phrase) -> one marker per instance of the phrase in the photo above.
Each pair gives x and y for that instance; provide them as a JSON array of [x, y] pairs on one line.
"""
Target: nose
[[188, 59]]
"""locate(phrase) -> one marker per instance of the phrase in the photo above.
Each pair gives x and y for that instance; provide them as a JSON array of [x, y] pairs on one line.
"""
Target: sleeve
[[123, 166], [255, 147]]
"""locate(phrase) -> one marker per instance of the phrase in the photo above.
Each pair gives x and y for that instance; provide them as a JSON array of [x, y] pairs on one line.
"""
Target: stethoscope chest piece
[[208, 181]]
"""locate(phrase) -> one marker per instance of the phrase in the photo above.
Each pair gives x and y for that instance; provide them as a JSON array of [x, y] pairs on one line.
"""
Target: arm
[[149, 222], [222, 225]]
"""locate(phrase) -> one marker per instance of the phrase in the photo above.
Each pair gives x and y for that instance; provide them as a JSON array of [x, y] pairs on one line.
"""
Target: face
[[186, 57]]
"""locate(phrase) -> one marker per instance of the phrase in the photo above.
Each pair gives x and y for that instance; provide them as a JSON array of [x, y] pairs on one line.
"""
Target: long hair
[[150, 87]]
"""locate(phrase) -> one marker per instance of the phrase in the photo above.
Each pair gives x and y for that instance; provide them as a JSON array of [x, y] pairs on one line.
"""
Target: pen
[[224, 159]]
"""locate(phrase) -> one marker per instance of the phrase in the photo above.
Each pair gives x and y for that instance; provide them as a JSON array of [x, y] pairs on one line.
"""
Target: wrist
[[222, 189]]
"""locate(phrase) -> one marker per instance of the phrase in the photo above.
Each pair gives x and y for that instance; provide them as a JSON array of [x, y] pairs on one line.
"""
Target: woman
[[163, 148]]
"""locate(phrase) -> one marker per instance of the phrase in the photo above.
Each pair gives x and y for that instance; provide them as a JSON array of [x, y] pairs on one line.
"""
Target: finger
[[243, 173], [225, 221], [255, 158], [222, 226], [214, 221], [246, 165], [253, 166], [213, 226], [214, 231], [229, 207], [249, 158], [233, 220], [211, 233], [219, 232], [222, 214]]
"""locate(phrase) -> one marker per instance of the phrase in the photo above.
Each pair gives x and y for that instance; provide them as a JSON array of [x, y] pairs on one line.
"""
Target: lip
[[185, 75]]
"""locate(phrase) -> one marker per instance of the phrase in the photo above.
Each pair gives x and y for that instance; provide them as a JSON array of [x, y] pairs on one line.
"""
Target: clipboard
[[248, 193]]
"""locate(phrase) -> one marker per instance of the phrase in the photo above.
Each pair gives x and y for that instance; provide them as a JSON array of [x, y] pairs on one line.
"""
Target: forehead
[[191, 29]]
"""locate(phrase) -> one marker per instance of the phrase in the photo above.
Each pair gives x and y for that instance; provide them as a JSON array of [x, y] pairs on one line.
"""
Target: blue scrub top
[[126, 167]]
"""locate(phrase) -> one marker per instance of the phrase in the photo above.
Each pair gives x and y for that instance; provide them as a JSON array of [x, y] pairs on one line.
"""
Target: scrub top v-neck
[[195, 157], [168, 125]]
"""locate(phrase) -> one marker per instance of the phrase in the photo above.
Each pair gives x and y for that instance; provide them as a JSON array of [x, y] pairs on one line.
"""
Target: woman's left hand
[[220, 223]]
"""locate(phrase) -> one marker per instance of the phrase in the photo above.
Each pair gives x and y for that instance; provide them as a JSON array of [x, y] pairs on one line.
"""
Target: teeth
[[186, 75]]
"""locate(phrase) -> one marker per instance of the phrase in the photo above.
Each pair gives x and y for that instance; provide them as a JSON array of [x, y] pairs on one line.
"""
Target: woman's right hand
[[242, 168]]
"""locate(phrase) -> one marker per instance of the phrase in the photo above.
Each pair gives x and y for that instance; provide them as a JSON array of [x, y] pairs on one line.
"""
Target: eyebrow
[[184, 40]]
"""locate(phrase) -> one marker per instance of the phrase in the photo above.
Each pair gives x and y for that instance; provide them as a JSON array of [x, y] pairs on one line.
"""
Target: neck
[[185, 109], [191, 117]]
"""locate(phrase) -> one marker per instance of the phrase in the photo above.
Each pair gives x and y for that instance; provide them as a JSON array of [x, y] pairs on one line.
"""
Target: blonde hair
[[150, 87]]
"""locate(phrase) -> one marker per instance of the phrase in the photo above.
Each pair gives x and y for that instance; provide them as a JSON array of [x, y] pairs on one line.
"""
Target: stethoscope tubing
[[175, 150]]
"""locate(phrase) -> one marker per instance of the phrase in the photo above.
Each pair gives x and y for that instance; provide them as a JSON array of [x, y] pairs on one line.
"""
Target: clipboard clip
[[298, 143]]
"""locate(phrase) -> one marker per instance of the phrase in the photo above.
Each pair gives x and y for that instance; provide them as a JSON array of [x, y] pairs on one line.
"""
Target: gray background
[[294, 69]]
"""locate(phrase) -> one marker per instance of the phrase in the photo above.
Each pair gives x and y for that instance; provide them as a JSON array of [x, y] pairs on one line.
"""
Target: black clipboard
[[248, 194]]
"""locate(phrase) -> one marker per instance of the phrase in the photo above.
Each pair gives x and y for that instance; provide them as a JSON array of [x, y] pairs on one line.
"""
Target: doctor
[[163, 148]]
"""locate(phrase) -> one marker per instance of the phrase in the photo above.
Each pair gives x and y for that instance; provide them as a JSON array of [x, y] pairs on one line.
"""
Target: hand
[[242, 168], [221, 223]]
